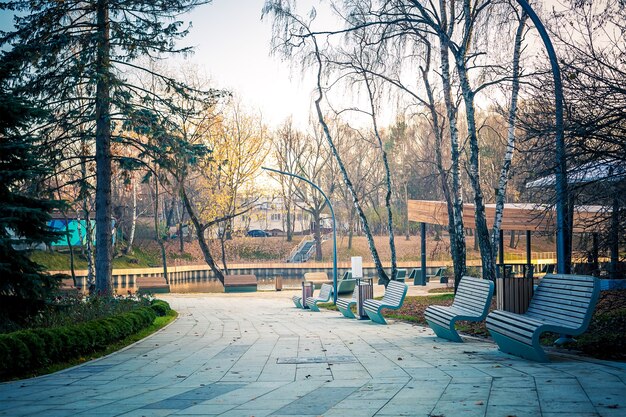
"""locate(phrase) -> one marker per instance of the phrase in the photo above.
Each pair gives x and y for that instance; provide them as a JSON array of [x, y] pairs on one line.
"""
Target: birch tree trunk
[[317, 235], [133, 222], [383, 153], [456, 227], [159, 239], [370, 239], [510, 143]]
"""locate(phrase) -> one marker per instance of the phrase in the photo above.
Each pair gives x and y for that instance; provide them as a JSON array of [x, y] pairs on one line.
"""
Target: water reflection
[[212, 285]]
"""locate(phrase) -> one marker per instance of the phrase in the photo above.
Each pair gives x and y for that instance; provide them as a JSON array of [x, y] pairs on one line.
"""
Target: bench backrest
[[325, 292], [316, 276], [395, 293], [566, 299], [239, 280], [347, 275], [474, 294]]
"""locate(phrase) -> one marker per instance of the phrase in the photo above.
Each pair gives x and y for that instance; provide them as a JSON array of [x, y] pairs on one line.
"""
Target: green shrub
[[35, 346], [606, 335], [160, 307], [26, 350], [19, 354]]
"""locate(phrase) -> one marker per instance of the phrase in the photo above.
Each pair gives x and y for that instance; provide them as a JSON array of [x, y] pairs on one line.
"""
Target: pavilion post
[[529, 265], [423, 249], [500, 254]]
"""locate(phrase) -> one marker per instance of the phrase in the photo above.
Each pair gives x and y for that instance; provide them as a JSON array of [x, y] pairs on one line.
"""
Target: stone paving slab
[[254, 354]]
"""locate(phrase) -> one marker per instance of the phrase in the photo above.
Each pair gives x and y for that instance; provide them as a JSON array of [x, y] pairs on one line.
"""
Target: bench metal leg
[[376, 317], [448, 333], [347, 312], [314, 306], [297, 302], [514, 347]]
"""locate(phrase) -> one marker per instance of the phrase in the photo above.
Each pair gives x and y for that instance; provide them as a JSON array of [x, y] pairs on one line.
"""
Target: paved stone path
[[257, 355]]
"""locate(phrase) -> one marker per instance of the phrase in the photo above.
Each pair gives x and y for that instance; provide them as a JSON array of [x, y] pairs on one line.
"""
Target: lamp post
[[562, 222], [332, 214]]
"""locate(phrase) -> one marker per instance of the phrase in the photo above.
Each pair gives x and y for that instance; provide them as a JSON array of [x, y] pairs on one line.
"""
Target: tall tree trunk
[[392, 244], [223, 237], [288, 222], [133, 217], [406, 212], [482, 230], [351, 227], [157, 233], [104, 248], [510, 143], [85, 195], [67, 232], [317, 235], [204, 247], [357, 205], [181, 239], [455, 224]]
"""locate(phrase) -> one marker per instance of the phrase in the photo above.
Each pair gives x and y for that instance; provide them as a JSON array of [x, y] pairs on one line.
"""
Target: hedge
[[606, 335], [31, 349]]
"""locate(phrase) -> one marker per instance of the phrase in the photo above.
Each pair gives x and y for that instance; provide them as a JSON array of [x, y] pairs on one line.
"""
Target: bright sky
[[232, 45]]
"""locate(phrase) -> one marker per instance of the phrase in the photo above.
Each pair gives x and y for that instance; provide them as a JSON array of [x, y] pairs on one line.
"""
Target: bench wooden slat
[[562, 304], [323, 297], [393, 299], [471, 303], [344, 305], [240, 283]]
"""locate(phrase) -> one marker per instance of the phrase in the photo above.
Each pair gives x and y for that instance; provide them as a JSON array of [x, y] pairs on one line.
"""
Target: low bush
[[27, 350], [160, 307], [606, 335]]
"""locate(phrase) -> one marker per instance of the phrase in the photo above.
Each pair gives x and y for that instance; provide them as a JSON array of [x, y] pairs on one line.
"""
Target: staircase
[[303, 251]]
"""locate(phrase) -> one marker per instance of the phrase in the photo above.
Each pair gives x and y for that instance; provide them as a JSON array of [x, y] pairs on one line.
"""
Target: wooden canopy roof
[[516, 216]]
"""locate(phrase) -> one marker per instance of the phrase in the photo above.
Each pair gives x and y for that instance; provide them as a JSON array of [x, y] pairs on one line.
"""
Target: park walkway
[[256, 355]]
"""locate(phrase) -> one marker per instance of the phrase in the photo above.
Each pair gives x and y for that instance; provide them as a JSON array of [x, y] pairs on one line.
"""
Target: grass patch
[[57, 261], [60, 260], [328, 306], [158, 324]]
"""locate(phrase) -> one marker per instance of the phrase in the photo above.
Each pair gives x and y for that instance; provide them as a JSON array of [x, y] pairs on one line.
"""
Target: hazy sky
[[232, 46]]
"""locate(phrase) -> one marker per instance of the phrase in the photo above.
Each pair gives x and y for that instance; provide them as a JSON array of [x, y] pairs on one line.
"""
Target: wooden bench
[[324, 296], [562, 304], [346, 286], [471, 303], [400, 276], [344, 305], [152, 285], [439, 274], [317, 278], [240, 283], [416, 276], [393, 299]]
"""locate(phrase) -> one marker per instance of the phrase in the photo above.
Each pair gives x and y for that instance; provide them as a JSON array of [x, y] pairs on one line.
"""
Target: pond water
[[212, 285]]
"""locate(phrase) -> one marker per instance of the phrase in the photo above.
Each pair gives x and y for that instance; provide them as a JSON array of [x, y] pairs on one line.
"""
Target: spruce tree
[[76, 56], [23, 214]]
